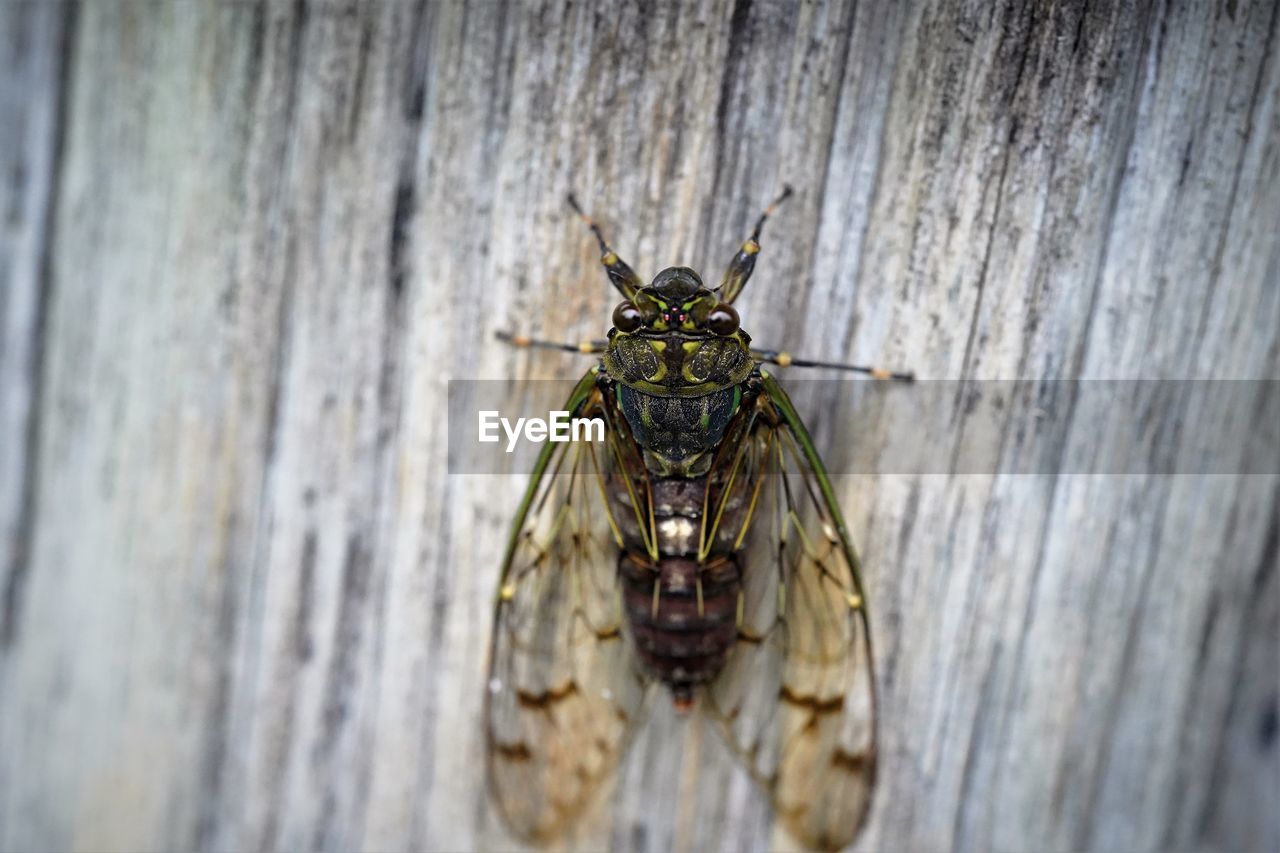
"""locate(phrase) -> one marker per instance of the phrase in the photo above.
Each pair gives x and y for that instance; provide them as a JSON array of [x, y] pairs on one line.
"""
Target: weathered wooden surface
[[245, 246]]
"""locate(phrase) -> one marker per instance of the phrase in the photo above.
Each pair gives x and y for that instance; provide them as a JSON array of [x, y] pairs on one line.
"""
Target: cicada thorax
[[678, 434], [678, 360], [678, 393], [679, 385]]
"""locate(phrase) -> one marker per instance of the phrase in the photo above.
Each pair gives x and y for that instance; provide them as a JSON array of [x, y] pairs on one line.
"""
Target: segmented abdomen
[[683, 621], [681, 615]]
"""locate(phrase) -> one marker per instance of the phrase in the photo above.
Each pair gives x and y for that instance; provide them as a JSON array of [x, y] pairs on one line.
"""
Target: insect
[[700, 546]]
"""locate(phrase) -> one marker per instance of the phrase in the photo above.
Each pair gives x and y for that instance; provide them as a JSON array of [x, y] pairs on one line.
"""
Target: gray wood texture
[[245, 246]]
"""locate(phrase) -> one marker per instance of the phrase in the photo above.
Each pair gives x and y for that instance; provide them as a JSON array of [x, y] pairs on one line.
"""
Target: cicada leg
[[583, 347], [743, 263], [785, 359], [620, 274]]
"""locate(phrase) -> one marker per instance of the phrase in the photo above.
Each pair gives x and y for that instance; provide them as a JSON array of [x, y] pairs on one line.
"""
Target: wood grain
[[246, 246]]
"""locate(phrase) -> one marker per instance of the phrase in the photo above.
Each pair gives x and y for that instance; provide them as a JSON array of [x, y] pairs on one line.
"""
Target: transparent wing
[[796, 699], [564, 691]]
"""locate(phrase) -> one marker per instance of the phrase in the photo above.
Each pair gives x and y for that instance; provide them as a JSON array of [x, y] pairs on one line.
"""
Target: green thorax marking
[[678, 364]]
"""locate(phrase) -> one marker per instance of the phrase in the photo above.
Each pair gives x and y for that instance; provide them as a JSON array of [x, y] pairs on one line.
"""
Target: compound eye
[[722, 320], [626, 317]]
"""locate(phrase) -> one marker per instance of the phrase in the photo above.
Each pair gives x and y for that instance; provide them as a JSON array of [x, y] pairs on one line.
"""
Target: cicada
[[700, 546]]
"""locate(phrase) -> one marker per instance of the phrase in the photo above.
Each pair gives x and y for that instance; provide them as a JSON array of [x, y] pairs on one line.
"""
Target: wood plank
[[254, 601]]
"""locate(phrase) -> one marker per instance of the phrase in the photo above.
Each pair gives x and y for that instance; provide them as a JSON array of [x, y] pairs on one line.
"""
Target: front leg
[[583, 347], [785, 359]]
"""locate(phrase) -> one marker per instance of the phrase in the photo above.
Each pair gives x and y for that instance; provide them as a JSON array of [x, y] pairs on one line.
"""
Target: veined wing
[[564, 691], [796, 699]]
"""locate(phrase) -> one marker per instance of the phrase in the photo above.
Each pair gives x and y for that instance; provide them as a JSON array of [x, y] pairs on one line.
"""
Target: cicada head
[[676, 338]]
